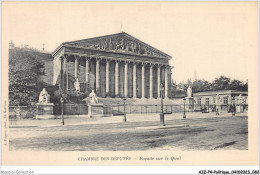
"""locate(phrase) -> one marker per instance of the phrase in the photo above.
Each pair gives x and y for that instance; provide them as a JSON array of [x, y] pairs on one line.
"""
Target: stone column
[[61, 73], [76, 66], [158, 81], [87, 70], [143, 80], [134, 80], [126, 79], [107, 77], [166, 82], [97, 76], [116, 78], [151, 80], [65, 72]]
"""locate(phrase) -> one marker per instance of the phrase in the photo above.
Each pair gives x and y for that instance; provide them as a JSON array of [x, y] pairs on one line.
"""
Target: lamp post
[[184, 115], [233, 106], [124, 111], [62, 116], [162, 114]]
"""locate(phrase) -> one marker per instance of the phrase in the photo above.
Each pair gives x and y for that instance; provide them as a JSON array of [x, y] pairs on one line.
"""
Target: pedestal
[[95, 110], [45, 111], [239, 108]]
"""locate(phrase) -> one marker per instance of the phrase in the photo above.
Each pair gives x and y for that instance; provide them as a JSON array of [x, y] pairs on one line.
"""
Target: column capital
[[144, 63], [77, 57], [127, 61], [98, 59], [87, 58], [94, 57], [107, 59], [159, 65], [151, 64], [135, 62], [64, 57]]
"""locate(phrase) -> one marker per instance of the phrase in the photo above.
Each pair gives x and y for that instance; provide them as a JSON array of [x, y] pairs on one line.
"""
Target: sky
[[209, 38]]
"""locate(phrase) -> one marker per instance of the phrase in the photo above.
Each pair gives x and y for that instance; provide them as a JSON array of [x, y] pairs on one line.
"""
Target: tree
[[24, 70], [221, 83], [245, 86], [201, 85], [236, 85]]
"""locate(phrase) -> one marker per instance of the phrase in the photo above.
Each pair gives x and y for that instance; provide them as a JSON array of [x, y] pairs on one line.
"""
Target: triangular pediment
[[121, 42]]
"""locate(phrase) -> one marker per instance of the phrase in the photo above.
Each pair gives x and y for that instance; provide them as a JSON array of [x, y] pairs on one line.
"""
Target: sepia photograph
[[137, 79]]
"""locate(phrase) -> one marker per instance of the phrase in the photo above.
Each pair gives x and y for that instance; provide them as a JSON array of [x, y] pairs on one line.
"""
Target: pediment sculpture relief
[[121, 45]]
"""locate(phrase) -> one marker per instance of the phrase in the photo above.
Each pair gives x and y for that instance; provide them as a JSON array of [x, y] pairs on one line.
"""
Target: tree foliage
[[24, 70], [220, 83]]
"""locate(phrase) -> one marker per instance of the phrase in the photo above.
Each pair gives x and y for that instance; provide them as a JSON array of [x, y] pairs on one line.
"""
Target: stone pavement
[[140, 132], [85, 120]]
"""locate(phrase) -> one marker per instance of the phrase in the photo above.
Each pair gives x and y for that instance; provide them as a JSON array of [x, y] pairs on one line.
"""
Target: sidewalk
[[84, 120]]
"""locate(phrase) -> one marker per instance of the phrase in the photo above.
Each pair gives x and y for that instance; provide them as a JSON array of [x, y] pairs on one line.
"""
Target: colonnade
[[127, 62]]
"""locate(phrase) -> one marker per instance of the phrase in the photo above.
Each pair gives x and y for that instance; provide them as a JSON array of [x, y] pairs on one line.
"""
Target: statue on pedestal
[[77, 85], [44, 97], [189, 91], [93, 96], [240, 99], [44, 106]]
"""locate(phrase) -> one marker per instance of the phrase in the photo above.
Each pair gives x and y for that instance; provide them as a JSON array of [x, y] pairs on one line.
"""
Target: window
[[225, 99], [199, 101], [207, 101], [214, 99]]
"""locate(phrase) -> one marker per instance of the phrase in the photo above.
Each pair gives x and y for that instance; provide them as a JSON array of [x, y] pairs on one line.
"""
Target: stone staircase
[[137, 101]]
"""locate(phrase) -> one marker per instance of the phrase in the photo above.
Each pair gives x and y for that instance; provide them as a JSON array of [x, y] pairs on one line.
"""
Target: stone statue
[[93, 96], [189, 91], [239, 99], [44, 97], [77, 85], [244, 98]]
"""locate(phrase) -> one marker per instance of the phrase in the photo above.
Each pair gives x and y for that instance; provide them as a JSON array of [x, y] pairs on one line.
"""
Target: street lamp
[[62, 116], [184, 101], [124, 111], [162, 114], [233, 106]]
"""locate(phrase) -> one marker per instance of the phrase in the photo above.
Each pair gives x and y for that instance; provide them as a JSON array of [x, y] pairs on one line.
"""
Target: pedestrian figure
[[217, 112]]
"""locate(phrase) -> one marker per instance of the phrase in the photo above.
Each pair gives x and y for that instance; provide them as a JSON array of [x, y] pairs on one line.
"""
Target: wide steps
[[136, 101]]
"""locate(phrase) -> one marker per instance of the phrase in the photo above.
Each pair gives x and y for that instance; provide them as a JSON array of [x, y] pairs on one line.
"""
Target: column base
[[107, 94]]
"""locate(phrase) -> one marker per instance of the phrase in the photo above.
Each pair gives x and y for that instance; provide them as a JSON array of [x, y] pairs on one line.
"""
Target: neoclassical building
[[117, 65]]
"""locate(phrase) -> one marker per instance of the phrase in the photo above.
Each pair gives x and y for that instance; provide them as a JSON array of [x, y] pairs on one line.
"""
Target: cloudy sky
[[209, 38]]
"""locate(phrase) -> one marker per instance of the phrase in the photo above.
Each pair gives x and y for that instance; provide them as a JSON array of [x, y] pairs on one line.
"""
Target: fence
[[22, 112], [82, 109], [168, 109], [71, 109]]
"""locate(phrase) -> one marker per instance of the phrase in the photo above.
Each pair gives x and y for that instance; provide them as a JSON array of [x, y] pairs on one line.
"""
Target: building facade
[[116, 65], [221, 100]]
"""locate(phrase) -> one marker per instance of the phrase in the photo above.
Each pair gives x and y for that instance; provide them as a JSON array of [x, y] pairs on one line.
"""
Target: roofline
[[219, 92], [57, 49], [147, 44], [67, 42], [82, 48]]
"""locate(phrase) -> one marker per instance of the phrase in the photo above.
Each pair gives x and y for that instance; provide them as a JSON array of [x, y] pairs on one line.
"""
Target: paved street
[[140, 132]]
